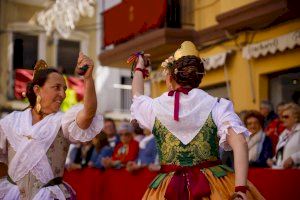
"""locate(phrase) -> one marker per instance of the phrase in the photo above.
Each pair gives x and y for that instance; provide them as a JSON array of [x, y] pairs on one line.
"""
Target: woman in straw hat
[[189, 126], [34, 143]]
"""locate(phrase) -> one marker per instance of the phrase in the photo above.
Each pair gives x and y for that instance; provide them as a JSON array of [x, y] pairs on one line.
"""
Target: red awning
[[23, 76], [132, 17]]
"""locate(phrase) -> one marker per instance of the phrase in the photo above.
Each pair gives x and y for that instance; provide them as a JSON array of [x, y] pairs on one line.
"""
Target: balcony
[[169, 25]]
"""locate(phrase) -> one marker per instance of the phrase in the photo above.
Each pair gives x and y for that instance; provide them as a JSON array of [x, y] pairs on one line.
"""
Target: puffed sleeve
[[225, 118], [72, 131], [3, 147], [142, 110]]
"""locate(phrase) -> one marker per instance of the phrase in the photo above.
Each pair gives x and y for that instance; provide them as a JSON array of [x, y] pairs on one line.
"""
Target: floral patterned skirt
[[221, 184]]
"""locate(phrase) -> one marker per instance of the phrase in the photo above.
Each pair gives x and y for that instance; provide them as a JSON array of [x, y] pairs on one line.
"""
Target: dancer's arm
[[240, 151], [85, 116], [138, 80]]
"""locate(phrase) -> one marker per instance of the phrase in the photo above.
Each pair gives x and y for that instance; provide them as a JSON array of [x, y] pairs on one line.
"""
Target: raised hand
[[83, 61]]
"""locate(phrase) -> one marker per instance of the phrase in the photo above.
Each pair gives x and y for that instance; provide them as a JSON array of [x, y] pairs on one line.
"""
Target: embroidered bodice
[[203, 147]]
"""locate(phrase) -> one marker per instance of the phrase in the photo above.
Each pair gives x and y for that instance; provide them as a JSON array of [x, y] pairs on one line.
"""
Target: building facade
[[23, 41], [251, 48]]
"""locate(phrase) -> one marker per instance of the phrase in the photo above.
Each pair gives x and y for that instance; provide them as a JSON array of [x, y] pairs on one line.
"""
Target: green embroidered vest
[[203, 147]]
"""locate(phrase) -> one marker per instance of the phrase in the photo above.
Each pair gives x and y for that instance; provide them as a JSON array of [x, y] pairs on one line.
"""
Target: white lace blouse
[[31, 143], [194, 111]]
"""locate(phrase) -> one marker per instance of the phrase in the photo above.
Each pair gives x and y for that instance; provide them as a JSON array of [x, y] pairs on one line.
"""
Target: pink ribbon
[[176, 101]]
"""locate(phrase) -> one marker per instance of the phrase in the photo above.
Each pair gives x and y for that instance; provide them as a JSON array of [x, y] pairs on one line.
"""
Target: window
[[285, 86], [126, 100], [25, 52], [67, 55]]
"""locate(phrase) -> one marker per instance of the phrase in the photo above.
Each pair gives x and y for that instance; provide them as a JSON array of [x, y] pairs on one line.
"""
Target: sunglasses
[[285, 116]]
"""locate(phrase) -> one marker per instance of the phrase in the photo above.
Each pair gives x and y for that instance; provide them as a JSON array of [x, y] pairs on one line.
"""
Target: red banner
[[23, 76], [132, 17]]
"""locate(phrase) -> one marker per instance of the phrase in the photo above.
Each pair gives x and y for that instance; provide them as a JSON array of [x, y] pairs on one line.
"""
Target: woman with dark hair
[[259, 144], [189, 125], [34, 143], [101, 150]]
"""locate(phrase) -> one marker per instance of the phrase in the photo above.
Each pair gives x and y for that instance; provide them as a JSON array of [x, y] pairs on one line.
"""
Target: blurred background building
[[24, 40], [251, 46]]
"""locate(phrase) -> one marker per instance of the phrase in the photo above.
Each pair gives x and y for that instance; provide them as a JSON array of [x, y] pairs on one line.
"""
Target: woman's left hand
[[82, 61], [288, 163]]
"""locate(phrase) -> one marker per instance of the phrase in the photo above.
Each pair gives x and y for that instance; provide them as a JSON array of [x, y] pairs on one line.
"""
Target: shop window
[[126, 99], [67, 55], [285, 86], [25, 51]]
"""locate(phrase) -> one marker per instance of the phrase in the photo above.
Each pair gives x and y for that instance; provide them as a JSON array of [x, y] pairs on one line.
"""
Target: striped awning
[[281, 43], [215, 61]]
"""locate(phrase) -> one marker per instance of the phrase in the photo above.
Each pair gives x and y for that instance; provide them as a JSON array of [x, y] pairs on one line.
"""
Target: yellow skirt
[[221, 188]]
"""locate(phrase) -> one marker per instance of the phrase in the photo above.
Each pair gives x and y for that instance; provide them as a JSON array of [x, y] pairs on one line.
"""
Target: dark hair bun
[[188, 71]]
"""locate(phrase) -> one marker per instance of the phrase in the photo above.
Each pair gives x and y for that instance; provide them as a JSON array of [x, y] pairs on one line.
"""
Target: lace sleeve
[[225, 118], [73, 132]]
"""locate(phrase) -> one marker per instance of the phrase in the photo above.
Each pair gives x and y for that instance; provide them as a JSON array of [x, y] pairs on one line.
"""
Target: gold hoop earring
[[38, 106]]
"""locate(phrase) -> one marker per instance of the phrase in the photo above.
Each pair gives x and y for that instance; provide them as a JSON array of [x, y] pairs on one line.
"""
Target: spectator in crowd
[[266, 109], [126, 150], [275, 127], [101, 150], [242, 115], [288, 147], [83, 153], [138, 133], [147, 152], [71, 156], [111, 132], [259, 144]]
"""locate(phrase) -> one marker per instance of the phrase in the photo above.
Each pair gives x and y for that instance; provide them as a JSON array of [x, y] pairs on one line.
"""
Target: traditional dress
[[188, 148], [36, 154]]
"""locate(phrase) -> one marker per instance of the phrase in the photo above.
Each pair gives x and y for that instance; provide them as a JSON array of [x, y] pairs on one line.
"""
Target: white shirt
[[194, 111], [17, 128]]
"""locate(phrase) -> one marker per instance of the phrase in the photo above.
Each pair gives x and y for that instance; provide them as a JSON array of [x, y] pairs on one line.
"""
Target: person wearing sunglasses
[[126, 150], [288, 147]]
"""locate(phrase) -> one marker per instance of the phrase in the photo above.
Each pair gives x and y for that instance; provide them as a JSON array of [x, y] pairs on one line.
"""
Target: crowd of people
[[127, 146], [186, 132], [275, 142], [275, 138]]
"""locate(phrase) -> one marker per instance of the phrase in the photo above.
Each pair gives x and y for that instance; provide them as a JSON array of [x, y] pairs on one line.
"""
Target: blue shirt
[[96, 158], [148, 154]]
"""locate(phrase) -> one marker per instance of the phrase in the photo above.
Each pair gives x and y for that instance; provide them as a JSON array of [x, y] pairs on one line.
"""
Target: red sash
[[188, 182]]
